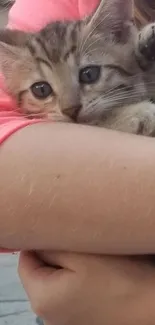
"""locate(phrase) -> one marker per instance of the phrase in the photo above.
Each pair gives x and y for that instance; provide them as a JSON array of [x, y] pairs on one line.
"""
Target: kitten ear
[[11, 49], [115, 18], [15, 59], [13, 37]]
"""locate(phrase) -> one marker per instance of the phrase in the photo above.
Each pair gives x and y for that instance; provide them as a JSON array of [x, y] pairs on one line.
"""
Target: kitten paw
[[147, 121], [146, 43]]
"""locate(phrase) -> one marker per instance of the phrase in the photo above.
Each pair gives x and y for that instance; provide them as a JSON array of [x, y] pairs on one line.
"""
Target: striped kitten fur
[[6, 4], [93, 71]]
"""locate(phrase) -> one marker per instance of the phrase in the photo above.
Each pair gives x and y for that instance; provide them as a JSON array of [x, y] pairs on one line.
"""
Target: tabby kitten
[[92, 71]]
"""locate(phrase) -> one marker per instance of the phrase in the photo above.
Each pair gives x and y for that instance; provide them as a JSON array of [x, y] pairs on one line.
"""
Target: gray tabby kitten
[[95, 71]]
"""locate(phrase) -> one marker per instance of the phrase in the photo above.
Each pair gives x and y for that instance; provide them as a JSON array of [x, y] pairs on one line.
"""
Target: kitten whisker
[[91, 51], [115, 90], [91, 31], [108, 101]]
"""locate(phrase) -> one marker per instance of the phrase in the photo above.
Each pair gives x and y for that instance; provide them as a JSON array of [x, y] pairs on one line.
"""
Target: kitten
[[90, 71], [120, 99], [145, 53]]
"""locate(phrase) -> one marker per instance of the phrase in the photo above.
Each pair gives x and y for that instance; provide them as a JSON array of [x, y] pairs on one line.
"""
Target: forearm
[[68, 187]]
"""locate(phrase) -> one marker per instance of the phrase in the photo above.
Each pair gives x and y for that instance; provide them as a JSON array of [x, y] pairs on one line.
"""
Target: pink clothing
[[10, 118], [32, 15]]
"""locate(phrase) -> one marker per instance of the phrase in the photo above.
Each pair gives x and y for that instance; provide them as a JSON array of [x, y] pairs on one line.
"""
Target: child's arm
[[69, 187]]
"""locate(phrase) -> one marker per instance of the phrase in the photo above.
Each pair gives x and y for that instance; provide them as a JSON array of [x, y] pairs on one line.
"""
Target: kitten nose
[[72, 111]]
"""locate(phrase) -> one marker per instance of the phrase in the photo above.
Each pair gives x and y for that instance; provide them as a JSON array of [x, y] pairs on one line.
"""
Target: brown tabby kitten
[[84, 71]]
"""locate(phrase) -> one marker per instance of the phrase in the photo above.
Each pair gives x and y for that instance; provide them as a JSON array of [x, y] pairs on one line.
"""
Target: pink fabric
[[34, 14], [10, 118]]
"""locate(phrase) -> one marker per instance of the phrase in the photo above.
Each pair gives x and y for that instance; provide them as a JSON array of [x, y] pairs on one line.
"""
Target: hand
[[89, 289]]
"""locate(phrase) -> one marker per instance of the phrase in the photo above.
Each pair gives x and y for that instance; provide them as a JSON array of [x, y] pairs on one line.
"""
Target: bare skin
[[89, 289], [68, 187]]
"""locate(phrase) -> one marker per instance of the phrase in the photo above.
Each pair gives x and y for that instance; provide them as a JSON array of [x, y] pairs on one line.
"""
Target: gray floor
[[14, 307]]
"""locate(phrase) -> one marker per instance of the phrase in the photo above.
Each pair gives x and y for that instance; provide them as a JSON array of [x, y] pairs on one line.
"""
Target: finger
[[34, 275], [31, 267]]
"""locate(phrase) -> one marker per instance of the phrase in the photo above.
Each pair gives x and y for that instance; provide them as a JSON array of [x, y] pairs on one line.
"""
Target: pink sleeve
[[31, 15], [10, 119]]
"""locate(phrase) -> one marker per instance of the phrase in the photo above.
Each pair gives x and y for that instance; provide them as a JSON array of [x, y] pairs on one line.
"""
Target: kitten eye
[[90, 74], [41, 90]]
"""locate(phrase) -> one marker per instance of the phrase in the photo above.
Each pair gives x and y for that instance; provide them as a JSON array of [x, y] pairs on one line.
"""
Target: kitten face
[[80, 70], [110, 46], [41, 70], [120, 82]]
